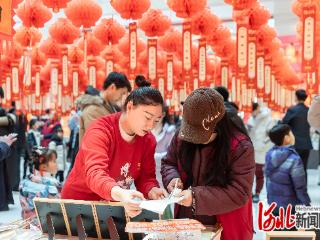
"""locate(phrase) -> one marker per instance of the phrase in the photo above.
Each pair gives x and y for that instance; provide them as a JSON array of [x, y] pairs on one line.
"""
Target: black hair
[[223, 92], [32, 123], [1, 92], [90, 90], [41, 155], [301, 95], [120, 80], [144, 95], [218, 169], [47, 111], [278, 132], [141, 81], [255, 106], [167, 118]]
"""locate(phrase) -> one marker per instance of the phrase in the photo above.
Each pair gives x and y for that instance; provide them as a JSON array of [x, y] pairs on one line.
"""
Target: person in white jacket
[[258, 126], [314, 117]]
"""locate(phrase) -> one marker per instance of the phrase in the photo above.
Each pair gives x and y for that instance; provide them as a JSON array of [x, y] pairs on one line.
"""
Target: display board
[[86, 219]]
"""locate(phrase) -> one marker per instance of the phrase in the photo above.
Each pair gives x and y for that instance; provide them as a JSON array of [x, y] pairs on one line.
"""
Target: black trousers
[[304, 154]]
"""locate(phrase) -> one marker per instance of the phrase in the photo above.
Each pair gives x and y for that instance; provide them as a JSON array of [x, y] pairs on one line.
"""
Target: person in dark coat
[[5, 191], [7, 122], [231, 108], [212, 161], [285, 174], [297, 118]]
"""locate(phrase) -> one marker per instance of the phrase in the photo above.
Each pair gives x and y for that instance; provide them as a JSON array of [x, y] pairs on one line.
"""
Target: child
[[33, 141], [40, 184], [286, 181], [58, 145]]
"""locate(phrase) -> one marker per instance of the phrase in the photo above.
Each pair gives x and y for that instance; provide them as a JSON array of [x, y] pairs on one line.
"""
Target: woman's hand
[[187, 198], [9, 139], [130, 199], [172, 184], [157, 193]]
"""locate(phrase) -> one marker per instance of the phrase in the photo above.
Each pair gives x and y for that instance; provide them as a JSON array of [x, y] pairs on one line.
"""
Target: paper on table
[[158, 206]]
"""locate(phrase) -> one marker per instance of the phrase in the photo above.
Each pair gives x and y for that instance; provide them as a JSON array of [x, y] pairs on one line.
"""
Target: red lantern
[[94, 46], [83, 12], [56, 5], [27, 37], [64, 31], [109, 31], [258, 16], [171, 41], [33, 13], [124, 45], [130, 9], [186, 8], [51, 48], [154, 23], [204, 22]]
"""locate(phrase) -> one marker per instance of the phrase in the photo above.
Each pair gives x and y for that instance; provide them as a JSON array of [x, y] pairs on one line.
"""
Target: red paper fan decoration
[[33, 13], [130, 9], [64, 31], [154, 23], [94, 46], [109, 31], [56, 5], [75, 55], [186, 8], [38, 57], [27, 37], [204, 22], [83, 12], [171, 41], [124, 46], [51, 48]]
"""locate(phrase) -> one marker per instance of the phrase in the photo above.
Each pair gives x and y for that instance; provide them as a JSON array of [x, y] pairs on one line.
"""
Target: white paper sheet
[[158, 206]]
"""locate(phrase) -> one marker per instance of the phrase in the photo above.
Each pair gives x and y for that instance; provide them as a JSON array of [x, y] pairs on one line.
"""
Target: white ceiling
[[282, 18]]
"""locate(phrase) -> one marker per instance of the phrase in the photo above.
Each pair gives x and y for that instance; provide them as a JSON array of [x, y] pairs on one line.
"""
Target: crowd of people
[[120, 138]]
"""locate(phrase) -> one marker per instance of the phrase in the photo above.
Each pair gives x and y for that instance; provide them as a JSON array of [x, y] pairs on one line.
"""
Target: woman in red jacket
[[213, 162], [118, 150]]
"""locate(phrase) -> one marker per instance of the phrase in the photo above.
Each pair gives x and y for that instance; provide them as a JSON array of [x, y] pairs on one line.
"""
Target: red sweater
[[105, 160]]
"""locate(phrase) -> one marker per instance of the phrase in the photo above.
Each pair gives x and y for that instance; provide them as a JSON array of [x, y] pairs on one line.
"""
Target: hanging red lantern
[[204, 22], [241, 4], [124, 45], [130, 9], [38, 57], [83, 12], [64, 31], [171, 41], [186, 8], [94, 46], [27, 37], [258, 16], [75, 55], [154, 23], [219, 35], [51, 48], [56, 5], [33, 13], [109, 31]]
